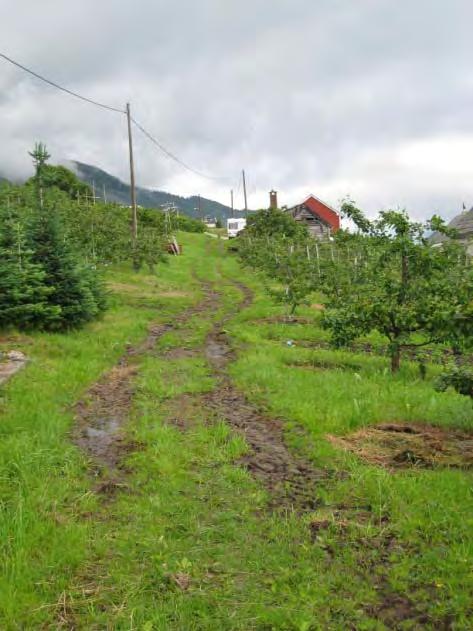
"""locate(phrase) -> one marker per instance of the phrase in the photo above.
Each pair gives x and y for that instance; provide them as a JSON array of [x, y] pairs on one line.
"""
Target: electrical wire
[[156, 142], [170, 155], [60, 87]]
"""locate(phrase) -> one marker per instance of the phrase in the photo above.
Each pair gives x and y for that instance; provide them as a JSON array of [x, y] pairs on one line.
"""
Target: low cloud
[[363, 99]]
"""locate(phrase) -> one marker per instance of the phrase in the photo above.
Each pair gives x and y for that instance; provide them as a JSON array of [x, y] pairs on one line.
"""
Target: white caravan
[[235, 226]]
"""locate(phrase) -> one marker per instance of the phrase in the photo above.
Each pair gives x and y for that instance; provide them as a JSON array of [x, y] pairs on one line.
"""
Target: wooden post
[[134, 217], [244, 193], [318, 258]]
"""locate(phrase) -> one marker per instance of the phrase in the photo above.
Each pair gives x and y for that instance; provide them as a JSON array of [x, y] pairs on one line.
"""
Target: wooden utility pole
[[104, 195], [134, 218], [244, 192], [231, 197], [200, 213]]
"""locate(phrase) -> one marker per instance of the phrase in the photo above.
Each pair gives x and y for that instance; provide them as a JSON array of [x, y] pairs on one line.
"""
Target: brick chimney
[[273, 199]]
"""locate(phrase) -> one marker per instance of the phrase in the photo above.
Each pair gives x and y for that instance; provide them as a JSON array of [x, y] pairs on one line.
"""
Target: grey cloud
[[308, 95]]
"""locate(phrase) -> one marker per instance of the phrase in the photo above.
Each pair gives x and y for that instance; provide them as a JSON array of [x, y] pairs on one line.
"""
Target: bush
[[187, 224], [460, 378]]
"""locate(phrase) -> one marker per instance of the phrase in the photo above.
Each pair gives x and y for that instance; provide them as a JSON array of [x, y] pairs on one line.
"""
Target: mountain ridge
[[118, 191]]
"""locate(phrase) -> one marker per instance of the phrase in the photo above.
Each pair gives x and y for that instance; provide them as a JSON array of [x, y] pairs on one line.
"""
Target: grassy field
[[188, 542]]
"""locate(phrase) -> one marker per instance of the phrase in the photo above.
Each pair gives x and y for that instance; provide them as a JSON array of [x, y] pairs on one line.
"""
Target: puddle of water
[[106, 428]]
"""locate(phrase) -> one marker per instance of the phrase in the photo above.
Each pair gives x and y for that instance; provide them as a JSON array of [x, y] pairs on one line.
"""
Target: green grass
[[188, 512], [430, 513]]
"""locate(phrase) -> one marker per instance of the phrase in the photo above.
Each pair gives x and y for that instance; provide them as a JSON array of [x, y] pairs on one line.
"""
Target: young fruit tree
[[390, 278], [279, 247]]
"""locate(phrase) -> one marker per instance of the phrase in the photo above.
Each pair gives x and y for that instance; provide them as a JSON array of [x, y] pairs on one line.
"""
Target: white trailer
[[235, 226]]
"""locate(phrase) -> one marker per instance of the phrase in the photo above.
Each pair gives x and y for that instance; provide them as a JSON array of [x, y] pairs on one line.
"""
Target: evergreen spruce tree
[[76, 292], [24, 296], [69, 290]]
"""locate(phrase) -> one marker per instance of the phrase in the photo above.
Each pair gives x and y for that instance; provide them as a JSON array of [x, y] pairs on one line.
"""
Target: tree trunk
[[395, 358]]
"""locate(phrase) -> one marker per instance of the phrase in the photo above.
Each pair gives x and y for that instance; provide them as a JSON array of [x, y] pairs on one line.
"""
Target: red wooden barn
[[320, 218]]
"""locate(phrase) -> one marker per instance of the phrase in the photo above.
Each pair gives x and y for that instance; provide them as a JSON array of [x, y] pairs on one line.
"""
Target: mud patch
[[184, 411], [324, 364], [102, 414], [180, 352], [396, 610], [281, 319], [99, 418], [403, 445], [10, 363], [290, 480], [174, 294]]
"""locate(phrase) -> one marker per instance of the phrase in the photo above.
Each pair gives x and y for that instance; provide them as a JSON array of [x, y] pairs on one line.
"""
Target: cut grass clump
[[400, 445]]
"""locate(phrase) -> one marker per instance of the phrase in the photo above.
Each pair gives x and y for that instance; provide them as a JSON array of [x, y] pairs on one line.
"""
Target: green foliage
[[72, 288], [393, 281], [40, 156], [275, 244], [268, 223], [152, 239], [97, 233], [24, 294], [289, 264], [460, 378], [386, 277], [63, 179], [45, 282], [187, 224]]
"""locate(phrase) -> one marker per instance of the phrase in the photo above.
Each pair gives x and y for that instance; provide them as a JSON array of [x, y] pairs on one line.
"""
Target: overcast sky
[[371, 99]]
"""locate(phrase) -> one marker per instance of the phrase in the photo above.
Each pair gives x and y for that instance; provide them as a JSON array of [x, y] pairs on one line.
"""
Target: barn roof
[[322, 210], [463, 223]]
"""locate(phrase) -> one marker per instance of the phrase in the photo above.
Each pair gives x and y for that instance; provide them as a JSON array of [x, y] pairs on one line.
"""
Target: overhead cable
[[170, 155], [156, 142], [60, 87]]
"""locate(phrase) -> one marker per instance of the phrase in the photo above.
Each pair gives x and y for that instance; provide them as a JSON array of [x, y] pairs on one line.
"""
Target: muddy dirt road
[[103, 413]]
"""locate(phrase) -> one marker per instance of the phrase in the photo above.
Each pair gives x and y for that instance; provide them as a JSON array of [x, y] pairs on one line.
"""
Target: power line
[[162, 148], [60, 87], [170, 155]]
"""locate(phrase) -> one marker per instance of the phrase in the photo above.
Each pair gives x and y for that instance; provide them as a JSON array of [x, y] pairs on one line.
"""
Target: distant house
[[463, 224], [320, 218]]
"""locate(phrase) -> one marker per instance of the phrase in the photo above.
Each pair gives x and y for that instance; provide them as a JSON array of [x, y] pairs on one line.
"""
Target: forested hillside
[[118, 191]]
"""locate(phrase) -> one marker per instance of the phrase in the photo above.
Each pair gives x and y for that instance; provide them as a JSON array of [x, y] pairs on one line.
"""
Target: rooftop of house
[[463, 223], [320, 209]]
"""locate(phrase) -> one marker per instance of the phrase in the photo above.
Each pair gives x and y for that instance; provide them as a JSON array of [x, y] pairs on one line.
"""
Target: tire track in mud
[[101, 416], [290, 479]]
